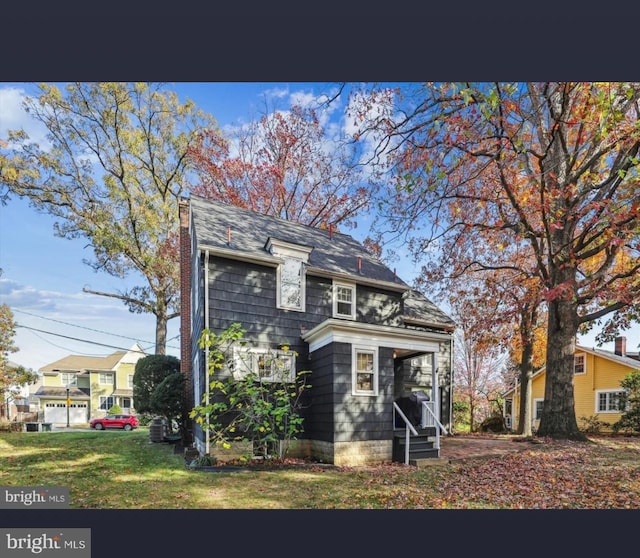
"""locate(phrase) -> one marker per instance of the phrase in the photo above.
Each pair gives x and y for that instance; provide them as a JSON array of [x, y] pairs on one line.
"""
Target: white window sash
[[368, 375], [337, 301]]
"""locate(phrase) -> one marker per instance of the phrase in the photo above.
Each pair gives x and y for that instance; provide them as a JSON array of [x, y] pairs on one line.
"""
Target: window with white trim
[[344, 300], [69, 378], [290, 275], [365, 371], [130, 381], [106, 402], [268, 365], [538, 404], [291, 284], [578, 364], [610, 401], [105, 378]]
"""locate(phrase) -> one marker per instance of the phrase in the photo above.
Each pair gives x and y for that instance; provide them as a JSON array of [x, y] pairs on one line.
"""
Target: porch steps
[[420, 446]]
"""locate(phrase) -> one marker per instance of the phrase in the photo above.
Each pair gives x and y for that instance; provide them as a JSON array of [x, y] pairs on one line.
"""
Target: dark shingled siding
[[340, 416]]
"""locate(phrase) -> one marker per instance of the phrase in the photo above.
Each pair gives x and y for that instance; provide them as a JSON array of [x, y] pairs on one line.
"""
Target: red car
[[126, 422]]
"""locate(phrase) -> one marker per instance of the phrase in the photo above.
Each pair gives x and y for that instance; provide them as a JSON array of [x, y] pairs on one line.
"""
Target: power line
[[75, 325], [57, 346], [94, 330], [76, 338]]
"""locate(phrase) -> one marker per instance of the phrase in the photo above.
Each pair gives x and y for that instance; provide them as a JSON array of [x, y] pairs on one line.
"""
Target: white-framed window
[[537, 408], [269, 365], [344, 300], [105, 378], [290, 275], [130, 381], [106, 402], [69, 378], [609, 401], [579, 364], [365, 371], [291, 280], [125, 404]]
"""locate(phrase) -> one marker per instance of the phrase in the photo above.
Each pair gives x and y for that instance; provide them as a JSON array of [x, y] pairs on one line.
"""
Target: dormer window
[[290, 294], [291, 284], [344, 300]]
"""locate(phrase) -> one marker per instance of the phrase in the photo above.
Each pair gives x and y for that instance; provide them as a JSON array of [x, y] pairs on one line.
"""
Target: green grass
[[124, 470], [116, 469]]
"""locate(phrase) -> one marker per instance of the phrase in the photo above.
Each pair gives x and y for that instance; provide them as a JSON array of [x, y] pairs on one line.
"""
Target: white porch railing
[[408, 430], [429, 419]]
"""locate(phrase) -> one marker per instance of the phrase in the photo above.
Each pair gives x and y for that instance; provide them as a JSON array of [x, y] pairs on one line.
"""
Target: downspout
[[206, 348]]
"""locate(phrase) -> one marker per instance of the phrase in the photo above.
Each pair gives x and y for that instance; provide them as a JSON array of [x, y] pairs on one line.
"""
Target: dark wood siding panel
[[319, 415], [361, 417], [246, 293], [375, 306], [319, 300]]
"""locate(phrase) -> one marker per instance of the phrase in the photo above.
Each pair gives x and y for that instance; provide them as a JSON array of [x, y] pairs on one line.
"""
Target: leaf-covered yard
[[124, 470]]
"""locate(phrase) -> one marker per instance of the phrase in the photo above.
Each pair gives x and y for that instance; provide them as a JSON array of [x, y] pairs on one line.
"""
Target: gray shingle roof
[[333, 254], [337, 253], [61, 392], [419, 308]]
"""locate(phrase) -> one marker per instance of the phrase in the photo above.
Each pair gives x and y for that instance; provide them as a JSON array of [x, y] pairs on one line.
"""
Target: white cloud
[[14, 117]]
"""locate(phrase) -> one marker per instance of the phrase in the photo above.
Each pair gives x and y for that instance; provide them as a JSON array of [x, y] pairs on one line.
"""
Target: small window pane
[[344, 295], [365, 373], [291, 283]]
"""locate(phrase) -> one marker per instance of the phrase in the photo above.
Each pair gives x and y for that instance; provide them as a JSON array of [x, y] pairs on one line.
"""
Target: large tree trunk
[[161, 334], [526, 373], [528, 319], [558, 415]]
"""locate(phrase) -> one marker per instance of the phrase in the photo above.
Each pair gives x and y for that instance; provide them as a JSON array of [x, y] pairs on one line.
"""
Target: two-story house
[[85, 387], [368, 339], [596, 387]]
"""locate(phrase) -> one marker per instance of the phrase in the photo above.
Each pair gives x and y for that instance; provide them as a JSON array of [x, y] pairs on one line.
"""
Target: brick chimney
[[621, 346], [185, 310]]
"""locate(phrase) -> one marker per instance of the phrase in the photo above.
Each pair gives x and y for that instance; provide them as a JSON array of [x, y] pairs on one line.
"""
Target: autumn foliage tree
[[478, 362], [11, 377], [112, 171], [283, 164], [547, 168]]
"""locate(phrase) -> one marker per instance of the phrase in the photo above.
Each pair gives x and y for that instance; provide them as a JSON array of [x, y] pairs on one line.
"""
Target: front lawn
[[124, 470]]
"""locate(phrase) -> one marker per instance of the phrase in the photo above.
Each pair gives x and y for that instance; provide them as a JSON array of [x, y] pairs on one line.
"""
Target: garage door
[[57, 413]]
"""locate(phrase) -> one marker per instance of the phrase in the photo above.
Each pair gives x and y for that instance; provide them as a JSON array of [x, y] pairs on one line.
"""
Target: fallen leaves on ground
[[601, 474]]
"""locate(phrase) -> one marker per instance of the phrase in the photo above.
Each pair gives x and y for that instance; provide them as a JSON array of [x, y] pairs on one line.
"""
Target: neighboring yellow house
[[596, 386], [78, 388]]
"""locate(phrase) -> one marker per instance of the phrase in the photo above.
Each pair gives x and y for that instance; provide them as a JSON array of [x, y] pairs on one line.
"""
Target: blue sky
[[43, 275]]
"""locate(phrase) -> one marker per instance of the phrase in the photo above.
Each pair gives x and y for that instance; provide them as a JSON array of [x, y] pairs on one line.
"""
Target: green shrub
[[630, 420], [248, 409], [592, 424]]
